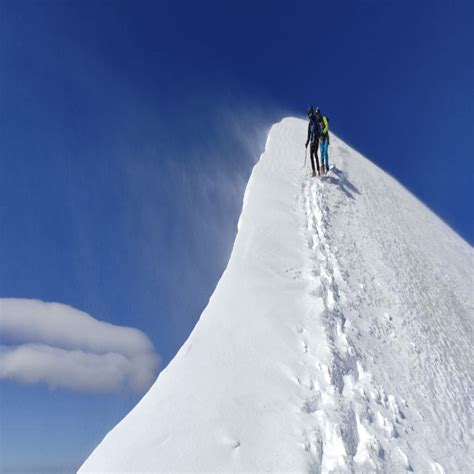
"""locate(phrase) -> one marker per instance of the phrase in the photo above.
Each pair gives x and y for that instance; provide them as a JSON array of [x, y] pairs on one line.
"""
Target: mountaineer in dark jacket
[[314, 132]]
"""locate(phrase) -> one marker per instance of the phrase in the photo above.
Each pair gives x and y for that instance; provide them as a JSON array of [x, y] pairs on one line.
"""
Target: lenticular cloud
[[63, 347]]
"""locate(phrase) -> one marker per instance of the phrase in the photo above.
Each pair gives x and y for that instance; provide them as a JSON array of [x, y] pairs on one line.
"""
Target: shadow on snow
[[338, 178]]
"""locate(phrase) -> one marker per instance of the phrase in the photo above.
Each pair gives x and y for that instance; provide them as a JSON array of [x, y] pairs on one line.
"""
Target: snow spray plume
[[185, 198]]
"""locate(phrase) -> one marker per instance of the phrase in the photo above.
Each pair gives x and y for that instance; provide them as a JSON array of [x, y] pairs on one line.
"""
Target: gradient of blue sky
[[128, 130]]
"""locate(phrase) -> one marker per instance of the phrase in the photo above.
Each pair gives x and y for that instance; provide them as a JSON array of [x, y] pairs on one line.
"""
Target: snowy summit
[[337, 340]]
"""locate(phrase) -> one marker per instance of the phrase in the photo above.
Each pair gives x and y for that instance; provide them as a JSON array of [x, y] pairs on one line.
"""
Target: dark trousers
[[313, 153]]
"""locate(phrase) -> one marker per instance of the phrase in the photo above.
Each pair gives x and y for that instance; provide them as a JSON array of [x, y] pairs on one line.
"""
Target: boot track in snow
[[342, 391]]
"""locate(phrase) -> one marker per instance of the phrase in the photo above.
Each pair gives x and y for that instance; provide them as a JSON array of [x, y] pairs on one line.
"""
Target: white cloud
[[64, 347]]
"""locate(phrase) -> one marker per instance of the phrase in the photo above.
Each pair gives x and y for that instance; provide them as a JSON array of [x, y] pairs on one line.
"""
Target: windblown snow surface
[[337, 340]]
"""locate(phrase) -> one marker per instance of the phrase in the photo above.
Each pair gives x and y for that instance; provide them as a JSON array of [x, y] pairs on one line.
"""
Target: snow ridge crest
[[335, 341]]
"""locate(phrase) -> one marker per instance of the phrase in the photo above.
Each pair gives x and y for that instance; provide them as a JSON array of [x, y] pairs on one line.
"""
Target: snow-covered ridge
[[337, 340]]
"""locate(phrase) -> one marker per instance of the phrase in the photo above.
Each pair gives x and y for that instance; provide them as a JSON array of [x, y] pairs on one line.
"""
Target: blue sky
[[128, 131]]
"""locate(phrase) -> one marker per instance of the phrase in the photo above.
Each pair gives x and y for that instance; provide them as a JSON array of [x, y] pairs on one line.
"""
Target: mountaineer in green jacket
[[324, 140]]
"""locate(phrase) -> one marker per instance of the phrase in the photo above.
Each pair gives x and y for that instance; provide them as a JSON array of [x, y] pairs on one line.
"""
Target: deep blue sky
[[128, 131]]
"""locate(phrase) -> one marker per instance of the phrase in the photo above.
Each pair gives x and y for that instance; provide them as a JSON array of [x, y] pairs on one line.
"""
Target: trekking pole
[[305, 153]]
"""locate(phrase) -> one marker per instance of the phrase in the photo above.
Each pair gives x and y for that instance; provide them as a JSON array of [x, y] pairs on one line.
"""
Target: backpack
[[322, 124]]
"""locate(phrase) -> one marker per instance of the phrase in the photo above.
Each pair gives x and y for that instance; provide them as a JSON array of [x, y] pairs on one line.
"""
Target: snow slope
[[337, 340]]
